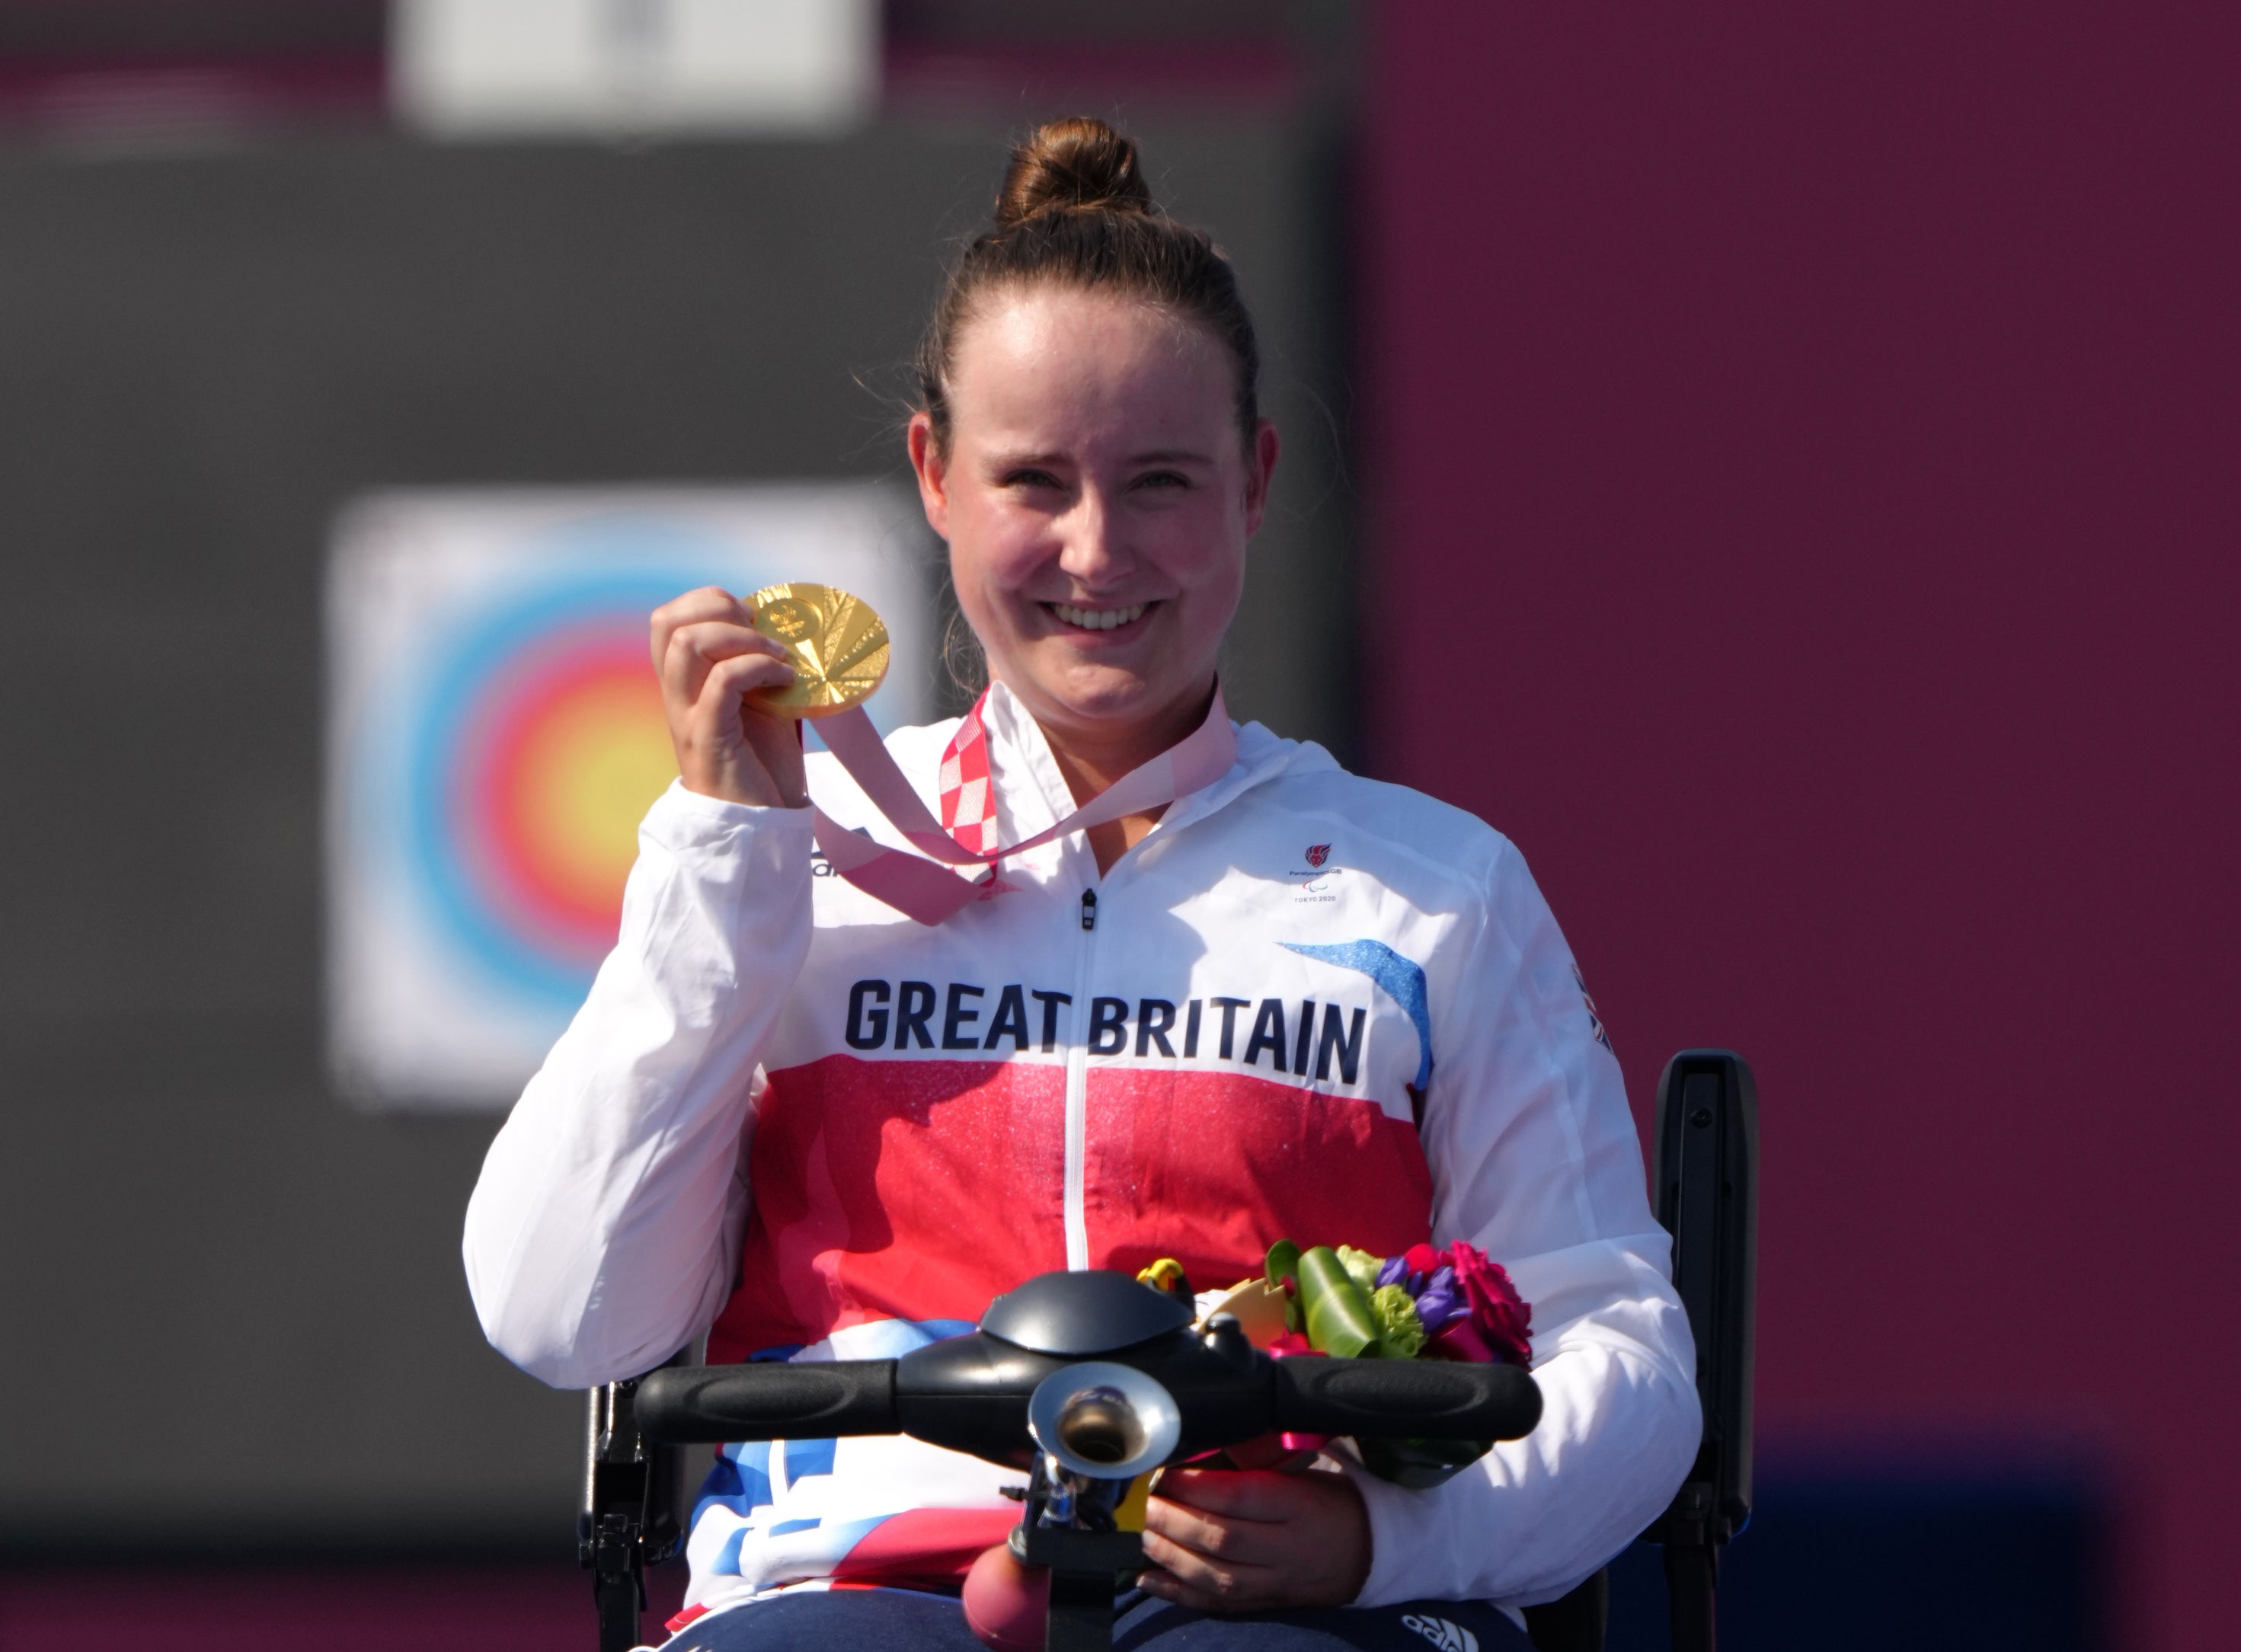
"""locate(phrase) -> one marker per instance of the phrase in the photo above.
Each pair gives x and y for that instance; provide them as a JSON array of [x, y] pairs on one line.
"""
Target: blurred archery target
[[495, 733], [546, 778]]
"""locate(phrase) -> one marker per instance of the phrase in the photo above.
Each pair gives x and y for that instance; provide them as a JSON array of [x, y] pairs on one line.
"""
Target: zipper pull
[[1089, 909]]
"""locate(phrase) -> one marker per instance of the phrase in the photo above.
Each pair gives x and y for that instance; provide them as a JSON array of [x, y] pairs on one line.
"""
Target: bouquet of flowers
[[1424, 1304]]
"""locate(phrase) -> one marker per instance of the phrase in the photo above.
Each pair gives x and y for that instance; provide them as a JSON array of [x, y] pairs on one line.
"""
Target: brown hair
[[1074, 209]]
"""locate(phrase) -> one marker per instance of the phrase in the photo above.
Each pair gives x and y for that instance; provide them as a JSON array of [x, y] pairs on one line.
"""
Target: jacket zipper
[[1077, 1094]]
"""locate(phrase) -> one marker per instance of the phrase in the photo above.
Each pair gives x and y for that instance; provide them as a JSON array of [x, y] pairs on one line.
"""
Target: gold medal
[[834, 642]]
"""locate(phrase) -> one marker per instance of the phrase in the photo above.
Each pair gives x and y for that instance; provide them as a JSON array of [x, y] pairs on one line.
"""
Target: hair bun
[[1070, 165]]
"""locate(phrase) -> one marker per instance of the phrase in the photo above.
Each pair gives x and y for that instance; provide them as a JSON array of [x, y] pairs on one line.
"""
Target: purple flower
[[1440, 1300], [1395, 1271]]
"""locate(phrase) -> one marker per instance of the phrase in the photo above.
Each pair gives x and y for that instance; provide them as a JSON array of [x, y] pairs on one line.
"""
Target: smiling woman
[[815, 1129], [1091, 448], [1096, 500]]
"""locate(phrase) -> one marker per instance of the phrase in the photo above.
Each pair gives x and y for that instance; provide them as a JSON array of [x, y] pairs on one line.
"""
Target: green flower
[[1400, 1333], [1361, 1266], [1336, 1311]]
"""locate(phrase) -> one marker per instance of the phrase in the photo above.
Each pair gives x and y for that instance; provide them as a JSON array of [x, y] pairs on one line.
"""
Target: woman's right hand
[[709, 658]]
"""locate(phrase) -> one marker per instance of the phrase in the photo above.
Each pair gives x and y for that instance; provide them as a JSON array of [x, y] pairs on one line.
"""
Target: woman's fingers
[[1211, 1562], [1170, 1587], [709, 661], [1258, 1494], [709, 602], [729, 680], [1214, 1535], [1235, 1541], [1191, 1578], [695, 646], [726, 749]]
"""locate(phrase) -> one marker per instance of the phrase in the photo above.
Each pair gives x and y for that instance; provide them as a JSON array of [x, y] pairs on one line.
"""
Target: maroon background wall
[[1802, 448]]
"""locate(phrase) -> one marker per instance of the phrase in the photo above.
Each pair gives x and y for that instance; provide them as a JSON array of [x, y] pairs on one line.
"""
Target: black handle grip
[[707, 1404], [1426, 1399]]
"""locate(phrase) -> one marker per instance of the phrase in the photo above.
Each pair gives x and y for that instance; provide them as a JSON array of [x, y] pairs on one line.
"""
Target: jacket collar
[[1033, 793]]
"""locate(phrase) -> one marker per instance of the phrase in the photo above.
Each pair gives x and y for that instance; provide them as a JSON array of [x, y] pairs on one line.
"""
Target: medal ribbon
[[965, 787], [921, 885]]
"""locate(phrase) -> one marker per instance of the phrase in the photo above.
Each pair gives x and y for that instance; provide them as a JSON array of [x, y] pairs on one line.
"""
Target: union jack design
[[1595, 1018], [968, 810]]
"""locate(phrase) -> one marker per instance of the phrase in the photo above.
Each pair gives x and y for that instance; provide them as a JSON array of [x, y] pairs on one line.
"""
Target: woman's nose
[[1088, 551]]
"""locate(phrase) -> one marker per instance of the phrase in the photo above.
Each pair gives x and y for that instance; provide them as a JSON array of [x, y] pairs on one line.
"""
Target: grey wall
[[232, 1309]]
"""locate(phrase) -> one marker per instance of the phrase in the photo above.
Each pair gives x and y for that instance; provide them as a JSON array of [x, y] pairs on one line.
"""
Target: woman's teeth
[[1098, 619]]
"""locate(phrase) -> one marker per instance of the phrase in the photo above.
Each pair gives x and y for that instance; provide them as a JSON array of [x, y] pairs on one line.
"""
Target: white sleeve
[[604, 1229], [1534, 1159]]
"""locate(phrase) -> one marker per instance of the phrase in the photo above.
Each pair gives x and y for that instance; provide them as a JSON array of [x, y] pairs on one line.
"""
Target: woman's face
[[1096, 498]]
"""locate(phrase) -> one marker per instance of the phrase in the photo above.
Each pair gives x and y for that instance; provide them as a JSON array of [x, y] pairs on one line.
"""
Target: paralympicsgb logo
[[1448, 1637]]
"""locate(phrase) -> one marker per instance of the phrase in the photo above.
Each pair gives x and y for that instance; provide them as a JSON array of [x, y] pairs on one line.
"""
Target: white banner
[[517, 68]]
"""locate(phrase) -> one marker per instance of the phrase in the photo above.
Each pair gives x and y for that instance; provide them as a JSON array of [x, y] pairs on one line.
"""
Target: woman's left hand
[[1252, 1540]]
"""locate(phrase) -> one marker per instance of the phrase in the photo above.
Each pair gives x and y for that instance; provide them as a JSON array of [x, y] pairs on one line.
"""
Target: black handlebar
[[707, 1404], [1428, 1398], [971, 1393]]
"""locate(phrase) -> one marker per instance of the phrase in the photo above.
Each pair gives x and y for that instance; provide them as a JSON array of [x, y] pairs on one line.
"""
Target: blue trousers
[[900, 1621]]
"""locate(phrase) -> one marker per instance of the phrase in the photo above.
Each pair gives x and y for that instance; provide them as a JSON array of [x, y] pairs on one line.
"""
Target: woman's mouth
[[1097, 619]]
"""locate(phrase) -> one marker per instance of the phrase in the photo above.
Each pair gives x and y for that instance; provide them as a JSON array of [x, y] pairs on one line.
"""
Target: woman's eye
[[1029, 479], [1162, 479]]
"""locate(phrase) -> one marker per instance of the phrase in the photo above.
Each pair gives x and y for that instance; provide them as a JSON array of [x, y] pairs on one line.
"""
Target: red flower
[[1499, 1316], [1422, 1259]]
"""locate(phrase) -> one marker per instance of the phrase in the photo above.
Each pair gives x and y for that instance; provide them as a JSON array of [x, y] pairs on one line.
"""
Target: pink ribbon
[[921, 886]]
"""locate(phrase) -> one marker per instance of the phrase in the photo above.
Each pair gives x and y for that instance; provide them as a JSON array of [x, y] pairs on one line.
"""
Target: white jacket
[[1305, 1006]]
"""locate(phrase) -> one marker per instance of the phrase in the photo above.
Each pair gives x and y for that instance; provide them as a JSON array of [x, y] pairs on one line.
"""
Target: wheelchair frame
[[1706, 1184]]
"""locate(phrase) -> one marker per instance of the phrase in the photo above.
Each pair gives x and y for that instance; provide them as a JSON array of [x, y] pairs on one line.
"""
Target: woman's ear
[[1259, 466], [933, 472]]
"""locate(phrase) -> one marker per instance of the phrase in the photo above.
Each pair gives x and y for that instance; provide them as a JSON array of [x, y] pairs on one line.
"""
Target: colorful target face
[[535, 765], [567, 761], [497, 733]]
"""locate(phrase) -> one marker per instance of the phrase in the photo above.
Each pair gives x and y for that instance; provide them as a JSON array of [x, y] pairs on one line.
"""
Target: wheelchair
[[1706, 1164]]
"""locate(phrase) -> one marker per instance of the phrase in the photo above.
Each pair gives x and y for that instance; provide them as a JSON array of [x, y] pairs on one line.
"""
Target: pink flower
[[1460, 1341], [1499, 1316]]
